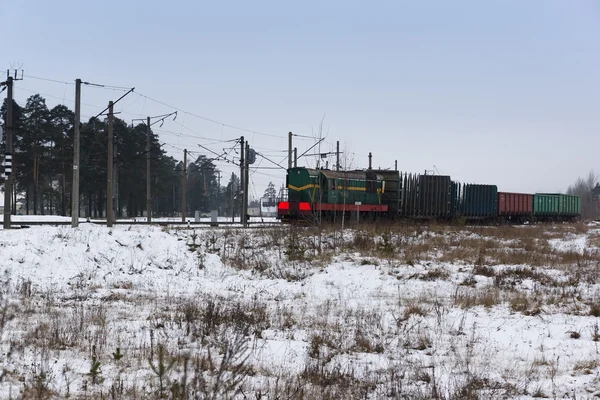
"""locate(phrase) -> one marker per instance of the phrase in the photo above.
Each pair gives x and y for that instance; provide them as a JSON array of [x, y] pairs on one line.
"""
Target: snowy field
[[445, 312]]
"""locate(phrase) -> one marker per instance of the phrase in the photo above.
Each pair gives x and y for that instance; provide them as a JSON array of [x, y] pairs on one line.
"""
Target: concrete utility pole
[[109, 178], [161, 119], [290, 150], [8, 156], [396, 165], [116, 178], [337, 154], [241, 191], [148, 192], [184, 187], [232, 202], [295, 157], [75, 189], [218, 192], [109, 172], [246, 179]]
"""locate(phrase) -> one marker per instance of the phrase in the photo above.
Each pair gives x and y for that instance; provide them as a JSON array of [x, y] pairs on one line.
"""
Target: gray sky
[[502, 92]]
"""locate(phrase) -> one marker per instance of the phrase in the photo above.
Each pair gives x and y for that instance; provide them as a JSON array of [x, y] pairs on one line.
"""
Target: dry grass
[[205, 339], [414, 307], [487, 297], [524, 303], [587, 366]]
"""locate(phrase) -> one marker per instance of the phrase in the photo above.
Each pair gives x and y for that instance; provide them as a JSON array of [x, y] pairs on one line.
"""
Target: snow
[[573, 243], [129, 283]]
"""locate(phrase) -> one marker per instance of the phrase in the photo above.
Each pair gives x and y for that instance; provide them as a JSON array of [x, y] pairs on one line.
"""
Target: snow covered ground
[[382, 312]]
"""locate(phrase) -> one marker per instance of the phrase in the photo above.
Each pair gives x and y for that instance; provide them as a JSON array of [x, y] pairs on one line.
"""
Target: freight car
[[390, 194], [425, 196], [515, 207], [556, 207], [475, 201]]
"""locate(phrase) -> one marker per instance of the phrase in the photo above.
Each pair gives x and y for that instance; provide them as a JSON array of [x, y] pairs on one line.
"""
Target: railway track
[[255, 224]]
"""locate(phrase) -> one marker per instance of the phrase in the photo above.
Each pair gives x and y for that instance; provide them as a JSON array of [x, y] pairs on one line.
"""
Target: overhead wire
[[71, 100], [122, 88], [48, 79], [181, 135], [209, 119], [223, 124], [91, 84]]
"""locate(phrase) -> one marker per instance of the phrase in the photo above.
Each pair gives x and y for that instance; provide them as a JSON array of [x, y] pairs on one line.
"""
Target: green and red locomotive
[[312, 191]]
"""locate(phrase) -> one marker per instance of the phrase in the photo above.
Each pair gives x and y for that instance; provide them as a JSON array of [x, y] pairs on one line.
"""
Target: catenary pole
[[337, 154], [8, 156], [184, 187], [290, 150], [218, 193], [109, 174], [241, 191], [148, 192], [76, 145], [295, 157], [115, 177], [246, 180], [232, 202]]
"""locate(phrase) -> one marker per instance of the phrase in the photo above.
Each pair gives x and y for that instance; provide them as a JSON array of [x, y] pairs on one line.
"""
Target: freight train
[[390, 194]]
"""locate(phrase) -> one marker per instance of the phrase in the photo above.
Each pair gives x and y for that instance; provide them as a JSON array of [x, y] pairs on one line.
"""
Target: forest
[[43, 165]]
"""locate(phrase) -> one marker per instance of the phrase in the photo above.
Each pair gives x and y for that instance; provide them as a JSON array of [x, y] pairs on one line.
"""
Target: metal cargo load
[[426, 196], [474, 201]]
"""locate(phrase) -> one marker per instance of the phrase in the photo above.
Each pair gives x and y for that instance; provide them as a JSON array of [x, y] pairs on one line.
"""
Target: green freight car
[[556, 206], [474, 201]]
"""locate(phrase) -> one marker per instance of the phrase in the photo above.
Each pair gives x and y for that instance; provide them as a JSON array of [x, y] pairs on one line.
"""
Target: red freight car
[[515, 206]]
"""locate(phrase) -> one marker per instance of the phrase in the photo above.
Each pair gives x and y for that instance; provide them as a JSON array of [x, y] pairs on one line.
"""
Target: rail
[[253, 224]]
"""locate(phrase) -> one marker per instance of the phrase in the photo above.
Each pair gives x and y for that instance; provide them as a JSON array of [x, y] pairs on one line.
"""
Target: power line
[[210, 119], [115, 102], [69, 100], [197, 135], [91, 84], [63, 99], [219, 155], [109, 87], [271, 161], [49, 80], [164, 131], [178, 135], [269, 175]]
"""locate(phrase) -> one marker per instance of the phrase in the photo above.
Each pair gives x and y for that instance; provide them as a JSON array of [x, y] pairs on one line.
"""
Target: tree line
[[43, 168], [588, 189]]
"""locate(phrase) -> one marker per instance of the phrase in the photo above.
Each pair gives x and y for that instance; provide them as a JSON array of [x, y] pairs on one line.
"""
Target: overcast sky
[[501, 92]]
